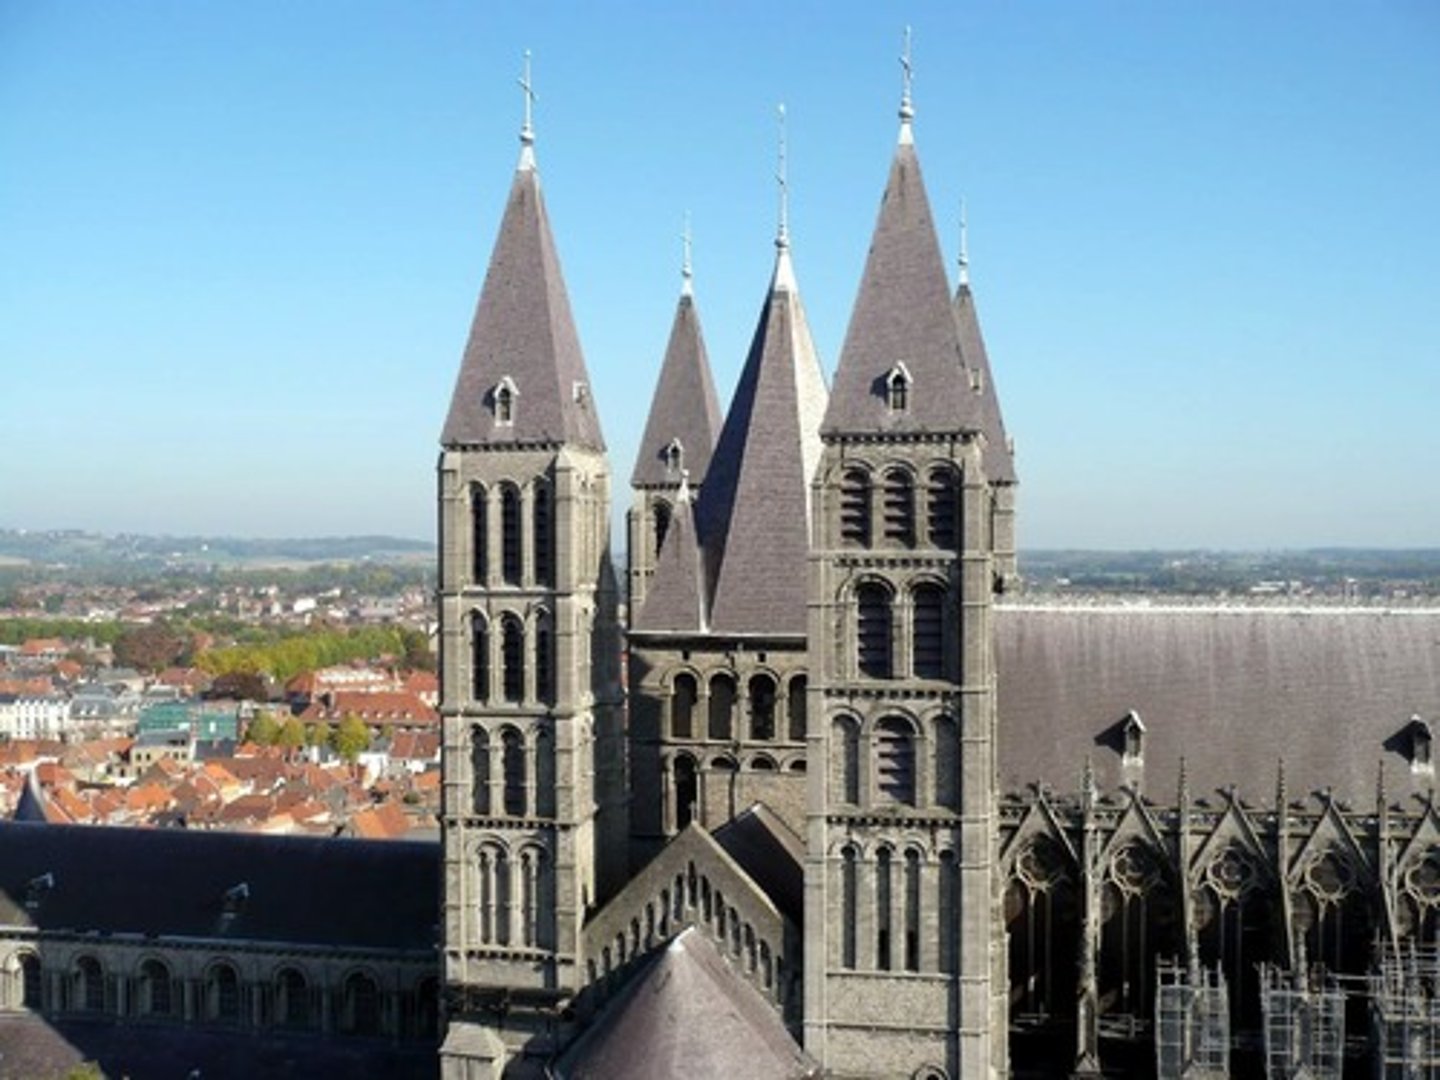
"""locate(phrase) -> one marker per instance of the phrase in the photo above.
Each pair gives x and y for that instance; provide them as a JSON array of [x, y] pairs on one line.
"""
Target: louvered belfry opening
[[899, 508], [943, 509], [895, 761], [855, 509]]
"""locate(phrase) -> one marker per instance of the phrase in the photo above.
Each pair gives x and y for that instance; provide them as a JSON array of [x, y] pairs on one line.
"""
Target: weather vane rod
[[527, 132], [964, 247], [907, 108], [782, 238], [687, 272]]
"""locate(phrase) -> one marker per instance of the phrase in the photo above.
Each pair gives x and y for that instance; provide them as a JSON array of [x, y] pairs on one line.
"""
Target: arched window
[[895, 761], [360, 1005], [479, 533], [153, 997], [544, 774], [883, 907], [493, 901], [89, 985], [222, 994], [543, 535], [899, 508], [504, 395], [682, 707], [513, 765], [849, 890], [762, 707], [855, 508], [943, 510], [479, 658], [912, 910], [662, 525], [292, 999], [1137, 928], [32, 993], [845, 760], [722, 707], [795, 705], [947, 764], [512, 647], [532, 861], [873, 630], [1041, 913], [927, 608], [510, 534], [479, 770], [544, 662], [687, 790], [897, 388], [949, 903]]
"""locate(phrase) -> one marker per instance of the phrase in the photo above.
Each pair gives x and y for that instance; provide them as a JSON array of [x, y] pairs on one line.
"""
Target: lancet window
[[899, 508], [722, 706], [1040, 912], [795, 706], [479, 770], [512, 764], [479, 658], [479, 533], [512, 649], [682, 706], [762, 707], [510, 553], [845, 760], [542, 534], [943, 508]]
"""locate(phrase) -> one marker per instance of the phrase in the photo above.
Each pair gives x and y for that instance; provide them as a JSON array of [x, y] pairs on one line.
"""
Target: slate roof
[[675, 600], [999, 461], [173, 882], [769, 851], [903, 314], [684, 407], [523, 329], [753, 513], [687, 1014], [1231, 689]]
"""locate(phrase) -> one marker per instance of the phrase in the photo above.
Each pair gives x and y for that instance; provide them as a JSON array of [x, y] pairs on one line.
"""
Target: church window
[[947, 764], [544, 774], [479, 533], [795, 705], [849, 890], [662, 524], [530, 862], [479, 770], [1232, 919], [682, 707], [479, 659], [292, 1000], [927, 607], [31, 984], [513, 658], [884, 937], [687, 791], [762, 707], [512, 763], [912, 910], [722, 707], [360, 1005], [899, 509], [222, 994], [948, 905], [544, 662], [1040, 911], [845, 760], [510, 534], [89, 985], [895, 761], [504, 396], [943, 508], [1136, 930], [873, 630], [543, 535], [855, 509], [897, 388]]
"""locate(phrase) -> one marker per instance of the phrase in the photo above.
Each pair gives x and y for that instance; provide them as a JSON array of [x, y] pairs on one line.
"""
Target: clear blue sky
[[240, 244]]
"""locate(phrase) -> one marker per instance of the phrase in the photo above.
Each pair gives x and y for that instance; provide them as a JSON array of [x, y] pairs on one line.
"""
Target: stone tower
[[904, 949], [532, 812]]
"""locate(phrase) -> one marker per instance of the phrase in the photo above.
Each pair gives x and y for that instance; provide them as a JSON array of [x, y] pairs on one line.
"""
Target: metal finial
[[964, 246], [687, 272], [782, 236], [907, 108], [527, 132]]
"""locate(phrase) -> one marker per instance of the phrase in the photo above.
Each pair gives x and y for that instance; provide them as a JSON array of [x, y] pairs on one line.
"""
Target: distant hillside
[[77, 548]]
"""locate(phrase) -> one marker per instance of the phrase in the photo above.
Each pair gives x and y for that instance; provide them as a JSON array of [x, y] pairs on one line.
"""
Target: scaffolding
[[1304, 1015], [1192, 1023], [1405, 1014]]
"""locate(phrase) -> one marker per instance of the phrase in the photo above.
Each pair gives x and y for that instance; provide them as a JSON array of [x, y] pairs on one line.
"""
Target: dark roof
[[675, 599], [754, 511], [523, 329], [687, 1014], [999, 461], [684, 407], [1231, 689], [769, 851], [184, 883], [903, 314]]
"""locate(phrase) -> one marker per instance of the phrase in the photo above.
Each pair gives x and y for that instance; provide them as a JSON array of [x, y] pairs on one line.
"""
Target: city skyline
[[239, 241]]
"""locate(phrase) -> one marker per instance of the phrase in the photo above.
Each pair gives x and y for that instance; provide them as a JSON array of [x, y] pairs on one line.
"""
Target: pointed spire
[[784, 271], [907, 106], [964, 247], [527, 129], [687, 273], [999, 456]]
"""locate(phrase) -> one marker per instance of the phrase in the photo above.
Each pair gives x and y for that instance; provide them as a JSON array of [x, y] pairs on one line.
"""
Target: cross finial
[[964, 246], [527, 131], [687, 273], [907, 108], [782, 236]]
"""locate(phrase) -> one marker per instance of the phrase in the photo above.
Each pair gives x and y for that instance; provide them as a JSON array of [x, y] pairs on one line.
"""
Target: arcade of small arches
[[514, 894], [894, 759], [512, 658], [734, 709], [913, 508], [891, 629], [285, 995], [511, 775], [512, 534], [887, 896]]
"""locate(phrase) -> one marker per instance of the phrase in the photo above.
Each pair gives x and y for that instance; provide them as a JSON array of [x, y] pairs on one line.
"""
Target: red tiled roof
[[373, 707], [384, 822]]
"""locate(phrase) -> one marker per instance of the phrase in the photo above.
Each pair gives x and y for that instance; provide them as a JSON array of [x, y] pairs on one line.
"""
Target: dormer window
[[504, 396], [673, 456], [897, 388], [1421, 746], [579, 392], [977, 380], [1132, 730]]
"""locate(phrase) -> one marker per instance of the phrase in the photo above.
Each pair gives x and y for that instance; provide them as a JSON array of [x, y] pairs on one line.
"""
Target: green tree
[[318, 734], [264, 729], [149, 648], [351, 738], [292, 734]]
